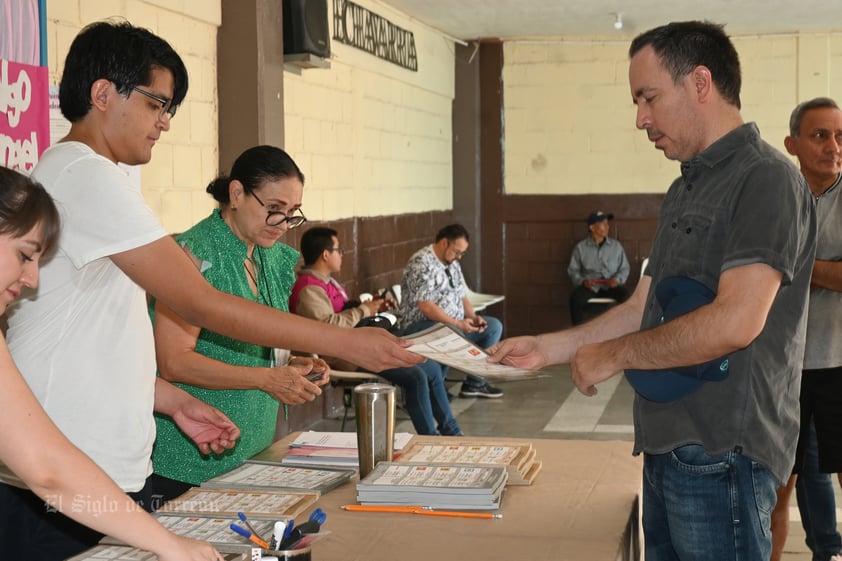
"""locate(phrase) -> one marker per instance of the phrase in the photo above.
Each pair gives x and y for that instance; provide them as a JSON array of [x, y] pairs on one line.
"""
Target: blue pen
[[248, 524], [288, 529], [319, 516], [248, 535]]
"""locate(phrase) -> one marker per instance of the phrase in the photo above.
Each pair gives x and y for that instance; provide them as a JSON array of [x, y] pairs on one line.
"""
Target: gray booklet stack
[[434, 486]]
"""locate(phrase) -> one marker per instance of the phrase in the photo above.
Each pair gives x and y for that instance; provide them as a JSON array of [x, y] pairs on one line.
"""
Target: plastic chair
[[347, 381], [643, 266], [480, 301]]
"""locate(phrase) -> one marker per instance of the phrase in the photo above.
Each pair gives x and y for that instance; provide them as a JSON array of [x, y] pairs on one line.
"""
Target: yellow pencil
[[382, 508], [457, 514], [420, 510]]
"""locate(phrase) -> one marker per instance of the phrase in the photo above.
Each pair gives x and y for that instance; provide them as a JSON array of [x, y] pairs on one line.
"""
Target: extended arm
[[536, 352], [178, 361], [155, 266], [731, 322], [209, 428], [55, 470]]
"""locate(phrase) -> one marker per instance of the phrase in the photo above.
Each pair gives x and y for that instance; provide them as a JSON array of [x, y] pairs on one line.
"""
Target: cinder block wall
[[373, 138], [571, 147], [185, 158], [570, 120]]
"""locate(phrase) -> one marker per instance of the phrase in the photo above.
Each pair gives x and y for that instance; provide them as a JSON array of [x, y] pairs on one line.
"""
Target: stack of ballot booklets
[[253, 474], [267, 504], [126, 553], [214, 529], [518, 457], [331, 449], [435, 486]]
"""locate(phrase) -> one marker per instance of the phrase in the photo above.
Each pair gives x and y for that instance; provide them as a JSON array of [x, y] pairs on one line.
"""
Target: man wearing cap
[[714, 332], [598, 267]]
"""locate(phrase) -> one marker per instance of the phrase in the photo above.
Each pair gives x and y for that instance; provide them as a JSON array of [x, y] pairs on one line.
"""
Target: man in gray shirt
[[815, 138], [598, 267], [715, 328]]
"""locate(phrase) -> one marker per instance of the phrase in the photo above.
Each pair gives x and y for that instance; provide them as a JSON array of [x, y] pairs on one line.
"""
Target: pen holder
[[374, 405], [302, 554]]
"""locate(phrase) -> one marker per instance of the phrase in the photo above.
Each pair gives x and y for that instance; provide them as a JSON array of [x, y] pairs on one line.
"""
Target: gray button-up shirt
[[739, 202], [591, 260]]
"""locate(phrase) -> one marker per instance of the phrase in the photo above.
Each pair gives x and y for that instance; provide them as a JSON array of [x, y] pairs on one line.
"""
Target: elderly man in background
[[598, 267]]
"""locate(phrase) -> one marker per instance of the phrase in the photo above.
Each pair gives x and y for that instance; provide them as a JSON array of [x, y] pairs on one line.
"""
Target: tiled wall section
[[377, 247], [374, 138], [570, 120], [540, 234], [185, 158]]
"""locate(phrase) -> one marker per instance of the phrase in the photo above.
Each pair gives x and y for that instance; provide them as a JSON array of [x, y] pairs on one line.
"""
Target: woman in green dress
[[238, 251]]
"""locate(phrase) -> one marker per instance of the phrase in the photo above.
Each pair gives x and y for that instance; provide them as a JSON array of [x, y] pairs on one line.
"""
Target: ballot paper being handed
[[447, 345]]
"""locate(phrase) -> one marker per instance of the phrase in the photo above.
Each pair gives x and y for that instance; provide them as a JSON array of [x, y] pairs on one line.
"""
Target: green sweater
[[255, 412]]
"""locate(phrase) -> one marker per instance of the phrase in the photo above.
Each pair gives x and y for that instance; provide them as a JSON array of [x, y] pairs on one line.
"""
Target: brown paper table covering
[[582, 506]]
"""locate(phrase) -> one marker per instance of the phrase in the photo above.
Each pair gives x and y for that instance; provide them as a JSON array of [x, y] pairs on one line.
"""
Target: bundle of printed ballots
[[434, 486], [517, 457]]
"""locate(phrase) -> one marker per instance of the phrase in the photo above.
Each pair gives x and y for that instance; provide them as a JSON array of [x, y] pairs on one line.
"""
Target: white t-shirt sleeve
[[110, 217]]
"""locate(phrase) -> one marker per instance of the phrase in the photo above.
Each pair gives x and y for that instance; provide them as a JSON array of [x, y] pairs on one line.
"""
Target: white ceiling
[[506, 19]]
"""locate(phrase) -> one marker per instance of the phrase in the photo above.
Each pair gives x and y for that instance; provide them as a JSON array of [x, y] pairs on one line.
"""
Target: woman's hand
[[318, 366], [288, 384], [186, 549]]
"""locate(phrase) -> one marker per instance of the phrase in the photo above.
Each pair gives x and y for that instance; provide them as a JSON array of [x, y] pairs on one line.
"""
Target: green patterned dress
[[222, 255]]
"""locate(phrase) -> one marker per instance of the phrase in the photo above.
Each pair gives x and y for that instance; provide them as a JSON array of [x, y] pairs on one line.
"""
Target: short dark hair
[[682, 46], [24, 204], [453, 232], [121, 53], [314, 242], [252, 168], [798, 113]]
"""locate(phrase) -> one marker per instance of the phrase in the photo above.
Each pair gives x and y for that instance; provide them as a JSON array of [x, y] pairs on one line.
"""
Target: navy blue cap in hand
[[678, 296]]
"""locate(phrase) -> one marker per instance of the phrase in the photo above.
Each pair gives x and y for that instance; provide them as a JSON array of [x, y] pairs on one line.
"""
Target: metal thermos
[[374, 405]]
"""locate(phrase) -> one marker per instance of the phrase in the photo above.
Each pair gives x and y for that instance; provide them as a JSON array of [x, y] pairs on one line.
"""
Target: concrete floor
[[550, 407]]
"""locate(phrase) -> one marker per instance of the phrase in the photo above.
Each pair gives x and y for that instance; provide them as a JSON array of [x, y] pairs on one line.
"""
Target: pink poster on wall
[[24, 114]]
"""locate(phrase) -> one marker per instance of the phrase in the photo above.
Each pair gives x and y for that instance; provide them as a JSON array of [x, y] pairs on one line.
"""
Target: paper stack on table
[[314, 448], [126, 553], [518, 457], [253, 474], [434, 486]]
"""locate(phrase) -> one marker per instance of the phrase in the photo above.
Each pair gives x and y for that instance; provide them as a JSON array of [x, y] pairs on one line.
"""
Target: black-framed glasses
[[278, 217], [456, 252], [339, 250], [167, 108]]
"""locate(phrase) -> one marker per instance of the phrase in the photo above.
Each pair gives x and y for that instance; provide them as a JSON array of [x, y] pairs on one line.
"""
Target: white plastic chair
[[480, 301], [396, 292], [643, 266]]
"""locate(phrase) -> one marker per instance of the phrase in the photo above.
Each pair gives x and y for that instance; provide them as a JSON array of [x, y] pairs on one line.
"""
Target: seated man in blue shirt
[[598, 267]]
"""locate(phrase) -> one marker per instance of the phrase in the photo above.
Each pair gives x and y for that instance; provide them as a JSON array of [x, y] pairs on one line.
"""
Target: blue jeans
[[489, 336], [700, 507], [817, 504], [426, 398]]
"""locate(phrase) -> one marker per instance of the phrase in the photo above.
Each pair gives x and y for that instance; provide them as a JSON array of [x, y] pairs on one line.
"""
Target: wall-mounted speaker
[[306, 27]]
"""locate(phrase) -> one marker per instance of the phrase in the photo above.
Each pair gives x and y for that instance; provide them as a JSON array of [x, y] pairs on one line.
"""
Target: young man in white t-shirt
[[84, 341]]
